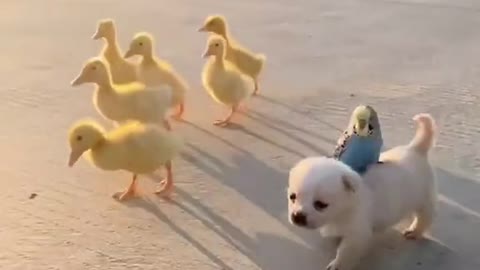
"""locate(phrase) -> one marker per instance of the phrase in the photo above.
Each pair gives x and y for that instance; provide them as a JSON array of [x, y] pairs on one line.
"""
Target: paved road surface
[[229, 211]]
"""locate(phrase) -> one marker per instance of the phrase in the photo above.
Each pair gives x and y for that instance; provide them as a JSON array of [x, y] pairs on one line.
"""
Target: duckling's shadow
[[294, 109], [275, 123], [269, 123], [152, 207], [230, 126], [262, 250]]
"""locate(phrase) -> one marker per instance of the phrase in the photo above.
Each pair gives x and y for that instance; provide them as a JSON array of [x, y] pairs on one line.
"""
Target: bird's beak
[[79, 80], [97, 35], [362, 123], [128, 53], [74, 156], [202, 29]]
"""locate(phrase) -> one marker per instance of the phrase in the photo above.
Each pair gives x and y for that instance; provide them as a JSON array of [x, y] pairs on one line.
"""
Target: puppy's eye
[[216, 44], [94, 68], [292, 197], [319, 205], [79, 138], [140, 43]]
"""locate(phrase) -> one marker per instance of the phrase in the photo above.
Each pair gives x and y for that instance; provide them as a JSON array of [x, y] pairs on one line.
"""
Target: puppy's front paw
[[412, 234], [333, 265]]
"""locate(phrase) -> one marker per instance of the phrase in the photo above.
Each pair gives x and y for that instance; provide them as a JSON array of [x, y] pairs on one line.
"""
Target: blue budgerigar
[[361, 143]]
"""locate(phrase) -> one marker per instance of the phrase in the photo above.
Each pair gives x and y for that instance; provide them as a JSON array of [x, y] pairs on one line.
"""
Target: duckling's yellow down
[[248, 62], [123, 71], [223, 81], [120, 103], [154, 71], [135, 147]]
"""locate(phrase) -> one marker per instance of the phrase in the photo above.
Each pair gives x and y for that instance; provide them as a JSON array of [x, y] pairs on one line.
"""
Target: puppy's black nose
[[299, 218]]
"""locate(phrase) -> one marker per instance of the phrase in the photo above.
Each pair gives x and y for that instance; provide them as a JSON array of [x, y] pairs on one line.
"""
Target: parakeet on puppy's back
[[360, 144]]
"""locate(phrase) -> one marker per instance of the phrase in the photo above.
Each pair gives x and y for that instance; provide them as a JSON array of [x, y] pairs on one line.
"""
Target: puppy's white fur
[[359, 206]]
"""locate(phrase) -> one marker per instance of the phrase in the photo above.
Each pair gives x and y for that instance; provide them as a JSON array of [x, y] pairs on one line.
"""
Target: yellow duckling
[[249, 63], [123, 71], [123, 102], [154, 71], [134, 147], [222, 80]]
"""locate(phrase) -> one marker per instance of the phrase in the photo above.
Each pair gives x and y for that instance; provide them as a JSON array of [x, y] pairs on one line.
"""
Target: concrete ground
[[229, 209]]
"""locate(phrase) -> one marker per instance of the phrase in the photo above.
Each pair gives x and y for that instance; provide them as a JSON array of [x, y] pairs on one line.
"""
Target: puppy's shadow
[[265, 189], [457, 223], [392, 251]]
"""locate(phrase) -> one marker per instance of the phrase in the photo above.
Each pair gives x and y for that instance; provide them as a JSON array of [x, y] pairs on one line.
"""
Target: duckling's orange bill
[[207, 53], [97, 35], [202, 29], [79, 80], [129, 54], [74, 156]]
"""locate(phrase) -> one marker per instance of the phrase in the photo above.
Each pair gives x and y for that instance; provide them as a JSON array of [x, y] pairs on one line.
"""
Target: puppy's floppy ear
[[349, 183]]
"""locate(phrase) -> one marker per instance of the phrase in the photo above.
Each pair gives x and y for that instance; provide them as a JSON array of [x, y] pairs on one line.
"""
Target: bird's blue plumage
[[360, 152]]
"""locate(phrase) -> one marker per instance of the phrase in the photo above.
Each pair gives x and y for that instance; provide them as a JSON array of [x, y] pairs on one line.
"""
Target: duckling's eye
[[94, 68], [79, 138], [292, 197], [216, 44], [319, 205], [140, 43]]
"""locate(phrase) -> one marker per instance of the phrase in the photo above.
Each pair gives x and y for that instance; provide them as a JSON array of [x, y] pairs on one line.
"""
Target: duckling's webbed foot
[[178, 115], [167, 125], [255, 91], [167, 184], [226, 121], [221, 123], [129, 193]]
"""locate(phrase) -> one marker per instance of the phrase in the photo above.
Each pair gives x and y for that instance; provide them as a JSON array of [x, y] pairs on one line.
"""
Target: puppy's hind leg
[[423, 220]]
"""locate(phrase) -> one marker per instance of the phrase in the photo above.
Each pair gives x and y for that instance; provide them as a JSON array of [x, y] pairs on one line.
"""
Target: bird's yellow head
[[105, 29], [215, 24], [95, 70], [141, 44], [215, 46], [83, 136], [361, 116]]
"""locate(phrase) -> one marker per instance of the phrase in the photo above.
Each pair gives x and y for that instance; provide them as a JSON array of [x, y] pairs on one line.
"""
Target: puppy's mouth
[[299, 219]]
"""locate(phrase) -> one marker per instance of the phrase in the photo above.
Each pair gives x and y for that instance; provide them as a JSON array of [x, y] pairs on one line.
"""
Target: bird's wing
[[341, 144]]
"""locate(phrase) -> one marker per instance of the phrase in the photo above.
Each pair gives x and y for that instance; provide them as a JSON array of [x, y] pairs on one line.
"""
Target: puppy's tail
[[426, 132]]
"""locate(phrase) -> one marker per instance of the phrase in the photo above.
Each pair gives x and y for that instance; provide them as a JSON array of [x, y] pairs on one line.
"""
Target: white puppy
[[325, 193]]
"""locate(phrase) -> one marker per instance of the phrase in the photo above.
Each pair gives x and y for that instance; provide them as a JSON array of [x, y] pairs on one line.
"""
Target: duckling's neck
[[106, 83], [224, 33], [220, 60], [101, 155], [111, 48], [149, 58]]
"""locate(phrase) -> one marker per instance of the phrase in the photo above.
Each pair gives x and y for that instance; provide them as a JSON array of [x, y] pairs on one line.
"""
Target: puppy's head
[[321, 190]]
